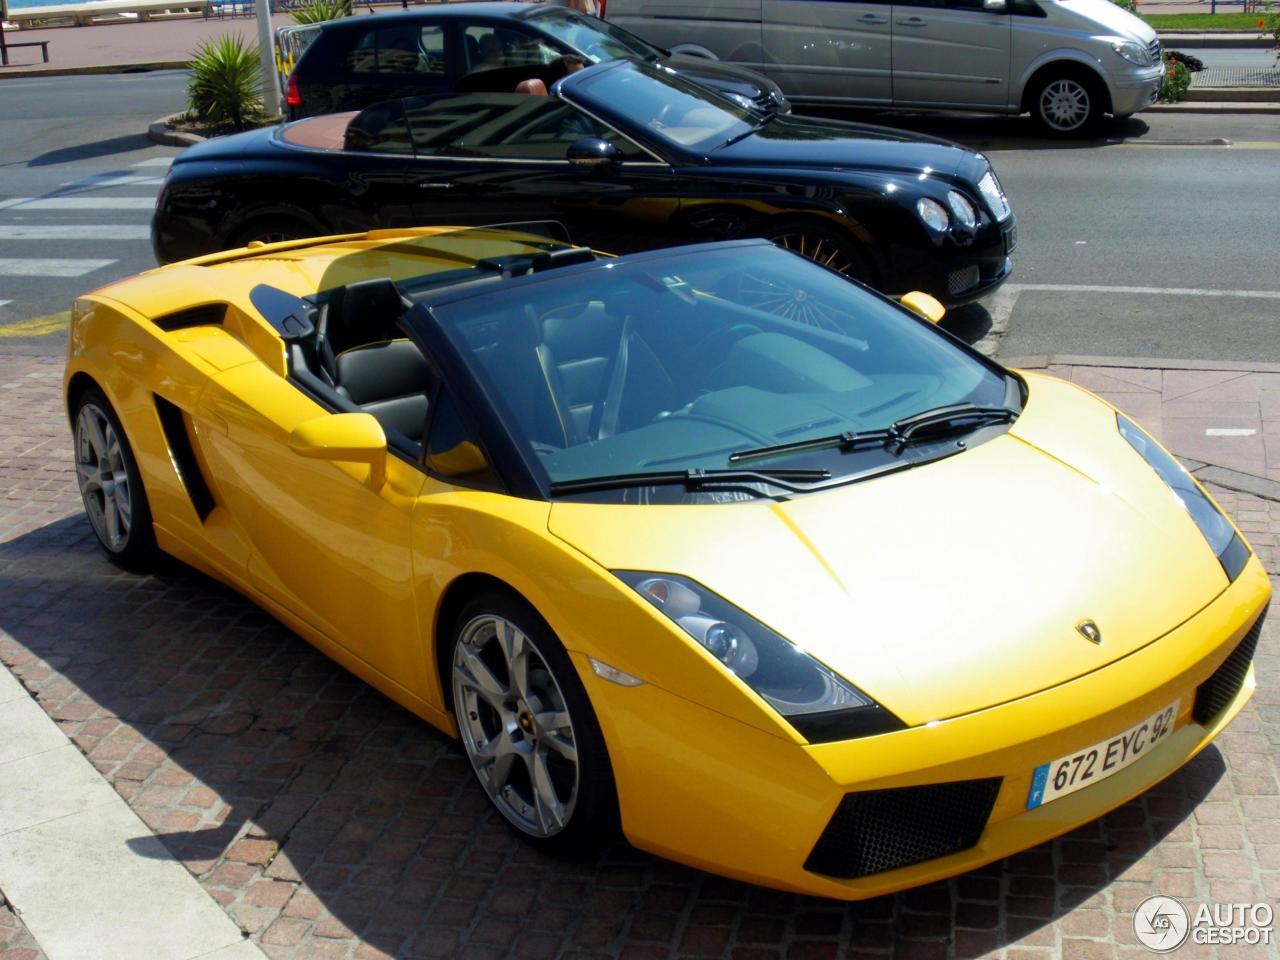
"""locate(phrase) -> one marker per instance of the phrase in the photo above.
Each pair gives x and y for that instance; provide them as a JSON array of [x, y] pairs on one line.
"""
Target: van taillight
[[295, 98]]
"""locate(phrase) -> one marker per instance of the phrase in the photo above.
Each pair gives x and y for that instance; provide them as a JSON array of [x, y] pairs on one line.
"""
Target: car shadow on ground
[[986, 131], [90, 151], [316, 810]]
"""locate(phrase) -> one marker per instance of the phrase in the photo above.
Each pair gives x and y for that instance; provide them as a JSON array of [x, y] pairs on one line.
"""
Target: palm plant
[[225, 87], [317, 11]]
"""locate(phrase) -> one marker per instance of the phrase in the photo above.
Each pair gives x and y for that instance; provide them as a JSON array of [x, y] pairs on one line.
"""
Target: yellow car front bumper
[[706, 790]]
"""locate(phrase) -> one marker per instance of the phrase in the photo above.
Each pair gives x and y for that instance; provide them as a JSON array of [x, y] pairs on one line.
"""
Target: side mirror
[[593, 152], [923, 305], [995, 6], [349, 437]]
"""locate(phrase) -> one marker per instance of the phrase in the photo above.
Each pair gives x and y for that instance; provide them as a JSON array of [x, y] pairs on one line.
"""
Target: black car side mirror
[[592, 152]]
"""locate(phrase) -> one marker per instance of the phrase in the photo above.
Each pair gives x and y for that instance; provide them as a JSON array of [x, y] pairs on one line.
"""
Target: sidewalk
[[328, 823]]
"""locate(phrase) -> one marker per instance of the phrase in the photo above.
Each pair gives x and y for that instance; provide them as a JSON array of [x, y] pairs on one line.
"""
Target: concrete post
[[267, 49]]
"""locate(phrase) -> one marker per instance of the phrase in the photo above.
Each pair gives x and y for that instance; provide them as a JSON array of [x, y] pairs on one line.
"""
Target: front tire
[[1067, 104], [528, 727], [110, 483], [823, 245]]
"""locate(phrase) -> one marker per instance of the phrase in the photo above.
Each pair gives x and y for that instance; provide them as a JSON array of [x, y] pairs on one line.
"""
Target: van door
[[728, 28], [821, 50], [951, 53]]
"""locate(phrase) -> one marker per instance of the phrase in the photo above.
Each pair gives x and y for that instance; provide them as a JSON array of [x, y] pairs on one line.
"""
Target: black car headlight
[[1223, 540], [818, 703]]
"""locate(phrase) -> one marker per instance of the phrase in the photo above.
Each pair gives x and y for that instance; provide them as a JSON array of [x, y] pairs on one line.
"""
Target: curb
[[1041, 361], [144, 67], [1217, 106], [1231, 95], [159, 131]]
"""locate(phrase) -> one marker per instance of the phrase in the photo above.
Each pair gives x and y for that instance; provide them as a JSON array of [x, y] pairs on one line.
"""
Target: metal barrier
[[291, 42]]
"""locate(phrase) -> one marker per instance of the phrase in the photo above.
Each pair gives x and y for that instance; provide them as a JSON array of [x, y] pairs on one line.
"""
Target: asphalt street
[[1155, 239]]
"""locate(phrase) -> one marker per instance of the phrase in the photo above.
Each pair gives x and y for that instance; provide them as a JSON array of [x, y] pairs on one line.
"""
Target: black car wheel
[[823, 245], [1067, 103], [110, 483], [527, 726]]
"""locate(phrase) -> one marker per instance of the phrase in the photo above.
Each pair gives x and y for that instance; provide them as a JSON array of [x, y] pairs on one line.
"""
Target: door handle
[[911, 21], [872, 18], [435, 186]]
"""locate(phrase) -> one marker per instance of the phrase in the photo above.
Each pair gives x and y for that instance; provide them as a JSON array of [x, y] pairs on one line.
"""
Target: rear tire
[[528, 727], [110, 483], [1068, 103]]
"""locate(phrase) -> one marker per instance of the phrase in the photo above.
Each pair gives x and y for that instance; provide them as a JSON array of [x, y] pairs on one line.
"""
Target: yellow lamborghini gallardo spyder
[[709, 544]]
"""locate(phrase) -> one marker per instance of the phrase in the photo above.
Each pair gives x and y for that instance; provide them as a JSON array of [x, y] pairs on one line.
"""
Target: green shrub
[[1130, 5], [225, 88], [317, 11], [1176, 80]]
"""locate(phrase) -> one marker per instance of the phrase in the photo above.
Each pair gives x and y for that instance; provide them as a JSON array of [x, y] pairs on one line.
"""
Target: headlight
[[962, 210], [991, 192], [933, 214], [1221, 536], [1135, 53], [819, 704]]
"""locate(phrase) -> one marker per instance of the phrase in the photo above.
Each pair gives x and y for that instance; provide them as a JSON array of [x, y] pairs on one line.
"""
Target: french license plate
[[1085, 767], [1011, 239]]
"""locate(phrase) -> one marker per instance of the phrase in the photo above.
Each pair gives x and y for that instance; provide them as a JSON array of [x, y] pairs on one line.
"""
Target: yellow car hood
[[953, 586]]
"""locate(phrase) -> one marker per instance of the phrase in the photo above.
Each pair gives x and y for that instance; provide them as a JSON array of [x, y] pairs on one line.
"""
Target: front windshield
[[676, 110], [675, 362], [595, 39]]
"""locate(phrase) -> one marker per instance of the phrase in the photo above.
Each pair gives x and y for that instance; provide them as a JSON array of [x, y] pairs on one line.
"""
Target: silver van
[[1068, 62]]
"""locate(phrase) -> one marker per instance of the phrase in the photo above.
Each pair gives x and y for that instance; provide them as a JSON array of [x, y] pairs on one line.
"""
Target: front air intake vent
[[1221, 688], [207, 315], [879, 830]]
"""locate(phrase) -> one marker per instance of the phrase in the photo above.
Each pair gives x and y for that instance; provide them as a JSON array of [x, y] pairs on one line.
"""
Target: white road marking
[[153, 162], [79, 203], [1229, 432], [77, 231], [112, 180], [1000, 305], [49, 267], [1149, 291]]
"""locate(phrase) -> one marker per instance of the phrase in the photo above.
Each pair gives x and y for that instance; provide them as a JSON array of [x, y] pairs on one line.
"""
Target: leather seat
[[358, 314], [391, 381]]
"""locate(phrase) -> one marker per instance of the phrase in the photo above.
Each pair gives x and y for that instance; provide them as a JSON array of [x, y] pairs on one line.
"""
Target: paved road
[[1160, 202], [78, 184]]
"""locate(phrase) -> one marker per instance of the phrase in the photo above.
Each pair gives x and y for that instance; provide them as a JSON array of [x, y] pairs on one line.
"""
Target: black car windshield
[[594, 38], [681, 113], [676, 361]]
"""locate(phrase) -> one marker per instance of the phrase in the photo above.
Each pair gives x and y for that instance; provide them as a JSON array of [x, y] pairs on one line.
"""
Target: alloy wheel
[[515, 725], [816, 248], [103, 478], [1064, 104], [777, 296]]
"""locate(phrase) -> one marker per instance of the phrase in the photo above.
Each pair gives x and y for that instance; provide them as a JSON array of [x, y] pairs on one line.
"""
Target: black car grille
[[1221, 688], [879, 830]]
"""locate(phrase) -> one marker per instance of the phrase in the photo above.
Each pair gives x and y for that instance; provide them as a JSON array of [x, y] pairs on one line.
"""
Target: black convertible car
[[627, 156]]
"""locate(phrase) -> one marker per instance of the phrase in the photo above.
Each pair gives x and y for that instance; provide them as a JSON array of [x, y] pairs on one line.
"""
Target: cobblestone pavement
[[16, 943], [332, 824]]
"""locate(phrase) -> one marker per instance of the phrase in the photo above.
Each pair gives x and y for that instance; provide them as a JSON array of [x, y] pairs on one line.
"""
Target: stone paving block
[[268, 770]]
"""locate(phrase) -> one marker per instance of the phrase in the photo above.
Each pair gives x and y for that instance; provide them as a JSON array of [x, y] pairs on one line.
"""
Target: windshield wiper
[[958, 417], [795, 481]]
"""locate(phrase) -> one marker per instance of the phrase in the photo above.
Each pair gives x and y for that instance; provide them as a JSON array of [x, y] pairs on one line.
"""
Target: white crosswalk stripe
[[78, 231], [49, 266], [78, 203], [89, 230]]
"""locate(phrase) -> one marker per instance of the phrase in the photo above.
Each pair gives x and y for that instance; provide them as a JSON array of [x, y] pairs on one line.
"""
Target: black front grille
[[1221, 688], [880, 830]]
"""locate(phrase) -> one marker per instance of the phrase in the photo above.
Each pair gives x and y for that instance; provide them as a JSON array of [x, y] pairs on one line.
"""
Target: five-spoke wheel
[[527, 726]]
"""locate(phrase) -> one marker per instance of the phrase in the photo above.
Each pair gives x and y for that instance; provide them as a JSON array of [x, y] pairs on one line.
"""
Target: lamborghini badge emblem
[[1089, 630]]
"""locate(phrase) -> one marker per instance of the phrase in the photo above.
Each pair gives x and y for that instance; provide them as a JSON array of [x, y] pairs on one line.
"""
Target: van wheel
[[1067, 104]]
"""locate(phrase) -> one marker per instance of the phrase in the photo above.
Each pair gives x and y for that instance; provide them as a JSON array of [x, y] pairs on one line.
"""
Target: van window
[[400, 50], [1027, 8]]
